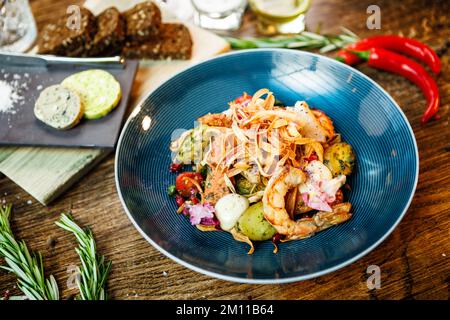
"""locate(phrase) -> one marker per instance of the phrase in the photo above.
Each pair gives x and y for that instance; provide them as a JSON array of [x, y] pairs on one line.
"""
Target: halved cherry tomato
[[184, 185], [243, 98]]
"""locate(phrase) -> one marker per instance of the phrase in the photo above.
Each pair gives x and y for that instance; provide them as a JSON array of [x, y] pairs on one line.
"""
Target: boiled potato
[[253, 224], [339, 158]]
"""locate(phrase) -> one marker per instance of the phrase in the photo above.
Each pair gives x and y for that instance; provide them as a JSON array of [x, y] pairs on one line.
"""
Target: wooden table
[[414, 260]]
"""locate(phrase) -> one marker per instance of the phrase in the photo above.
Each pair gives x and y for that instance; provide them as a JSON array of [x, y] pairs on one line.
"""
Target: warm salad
[[262, 171]]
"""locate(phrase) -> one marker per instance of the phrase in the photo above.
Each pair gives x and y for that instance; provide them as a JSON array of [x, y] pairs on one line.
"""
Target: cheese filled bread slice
[[59, 107], [99, 91]]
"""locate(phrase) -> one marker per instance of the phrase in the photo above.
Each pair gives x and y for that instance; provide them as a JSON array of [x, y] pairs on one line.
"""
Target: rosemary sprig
[[304, 40], [28, 268], [94, 269]]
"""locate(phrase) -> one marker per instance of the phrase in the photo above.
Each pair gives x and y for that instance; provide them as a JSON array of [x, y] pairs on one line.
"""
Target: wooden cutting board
[[47, 172]]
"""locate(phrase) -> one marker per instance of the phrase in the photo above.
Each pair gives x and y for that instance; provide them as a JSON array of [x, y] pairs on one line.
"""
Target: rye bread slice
[[110, 36], [143, 21], [173, 42], [61, 39]]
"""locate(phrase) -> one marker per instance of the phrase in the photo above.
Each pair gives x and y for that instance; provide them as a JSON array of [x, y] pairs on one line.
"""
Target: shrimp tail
[[322, 220]]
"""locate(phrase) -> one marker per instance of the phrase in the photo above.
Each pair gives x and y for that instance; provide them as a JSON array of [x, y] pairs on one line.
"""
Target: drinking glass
[[17, 26], [219, 15], [280, 16]]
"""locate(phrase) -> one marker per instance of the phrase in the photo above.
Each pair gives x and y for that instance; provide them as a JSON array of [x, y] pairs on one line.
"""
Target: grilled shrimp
[[275, 212], [325, 122], [300, 115], [274, 204], [323, 220]]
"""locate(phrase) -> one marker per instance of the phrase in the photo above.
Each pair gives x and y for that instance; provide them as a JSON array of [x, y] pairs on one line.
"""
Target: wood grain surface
[[414, 259]]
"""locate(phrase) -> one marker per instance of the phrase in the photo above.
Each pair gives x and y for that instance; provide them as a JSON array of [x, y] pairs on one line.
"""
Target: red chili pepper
[[393, 62], [408, 46], [347, 57]]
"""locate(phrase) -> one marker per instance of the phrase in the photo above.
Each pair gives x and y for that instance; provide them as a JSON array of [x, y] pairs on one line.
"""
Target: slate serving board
[[23, 129]]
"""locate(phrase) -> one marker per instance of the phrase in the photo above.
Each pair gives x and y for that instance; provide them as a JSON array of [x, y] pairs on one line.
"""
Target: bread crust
[[59, 39], [110, 36], [173, 42], [143, 22]]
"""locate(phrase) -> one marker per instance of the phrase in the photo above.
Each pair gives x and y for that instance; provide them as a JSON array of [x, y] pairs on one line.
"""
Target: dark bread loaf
[[110, 36], [137, 33], [173, 42], [59, 39], [143, 21]]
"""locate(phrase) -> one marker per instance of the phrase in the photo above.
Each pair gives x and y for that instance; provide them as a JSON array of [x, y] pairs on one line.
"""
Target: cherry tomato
[[184, 185]]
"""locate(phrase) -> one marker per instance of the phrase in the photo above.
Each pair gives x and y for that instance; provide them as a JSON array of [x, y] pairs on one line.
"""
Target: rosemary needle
[[28, 268], [303, 40], [94, 269]]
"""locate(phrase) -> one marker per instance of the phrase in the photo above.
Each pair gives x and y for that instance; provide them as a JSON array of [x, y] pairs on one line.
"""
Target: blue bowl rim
[[275, 280]]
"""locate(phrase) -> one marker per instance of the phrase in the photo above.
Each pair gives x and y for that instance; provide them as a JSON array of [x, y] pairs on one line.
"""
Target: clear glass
[[17, 26], [280, 16], [219, 15]]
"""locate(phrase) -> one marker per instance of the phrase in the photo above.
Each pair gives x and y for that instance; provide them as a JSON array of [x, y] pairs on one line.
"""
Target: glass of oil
[[280, 16]]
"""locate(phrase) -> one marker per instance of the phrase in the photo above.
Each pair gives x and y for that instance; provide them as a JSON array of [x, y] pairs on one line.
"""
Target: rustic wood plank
[[45, 173], [413, 260]]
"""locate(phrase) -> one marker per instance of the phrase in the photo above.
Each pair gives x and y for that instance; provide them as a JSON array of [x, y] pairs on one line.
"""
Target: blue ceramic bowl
[[383, 182]]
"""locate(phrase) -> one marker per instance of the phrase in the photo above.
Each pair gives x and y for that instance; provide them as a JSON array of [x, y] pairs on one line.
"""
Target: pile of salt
[[8, 97]]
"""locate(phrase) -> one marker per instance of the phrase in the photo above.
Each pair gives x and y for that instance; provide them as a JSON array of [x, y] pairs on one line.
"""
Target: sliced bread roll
[[110, 35], [59, 107], [61, 39], [174, 41], [99, 91], [142, 21]]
